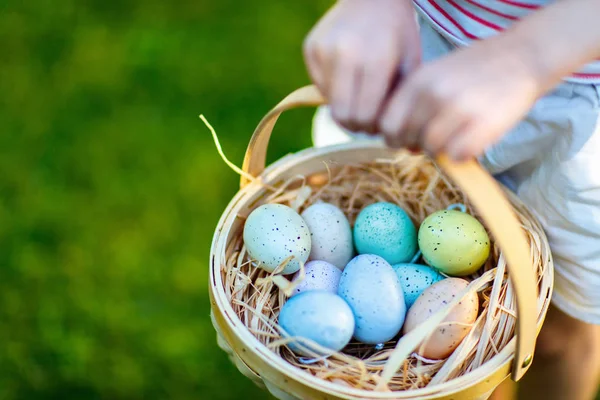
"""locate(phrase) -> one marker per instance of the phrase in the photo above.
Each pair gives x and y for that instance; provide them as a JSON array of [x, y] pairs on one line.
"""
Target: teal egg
[[386, 230], [414, 279]]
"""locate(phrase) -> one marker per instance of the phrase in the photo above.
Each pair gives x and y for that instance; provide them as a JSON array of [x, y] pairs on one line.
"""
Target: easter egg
[[414, 279], [372, 289], [318, 275], [274, 232], [331, 235], [384, 229], [454, 242], [455, 327], [319, 316]]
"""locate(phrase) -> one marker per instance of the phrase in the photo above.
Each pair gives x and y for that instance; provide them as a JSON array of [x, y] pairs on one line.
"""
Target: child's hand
[[464, 102], [355, 54]]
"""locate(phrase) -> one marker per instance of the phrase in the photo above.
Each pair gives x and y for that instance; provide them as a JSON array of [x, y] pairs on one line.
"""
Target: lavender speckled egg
[[371, 287], [415, 278], [330, 233], [386, 230], [454, 242], [274, 232], [320, 316], [318, 275]]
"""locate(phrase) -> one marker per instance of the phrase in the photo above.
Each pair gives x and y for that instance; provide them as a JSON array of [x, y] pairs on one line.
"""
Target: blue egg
[[386, 230], [371, 287], [415, 278], [320, 316]]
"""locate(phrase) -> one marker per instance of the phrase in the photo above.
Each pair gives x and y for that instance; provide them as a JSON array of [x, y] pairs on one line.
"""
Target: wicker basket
[[522, 271]]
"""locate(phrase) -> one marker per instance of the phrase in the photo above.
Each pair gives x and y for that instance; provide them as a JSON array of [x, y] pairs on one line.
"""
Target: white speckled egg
[[450, 333], [274, 232], [454, 242], [330, 233], [415, 278], [318, 275], [372, 289], [386, 230], [320, 316]]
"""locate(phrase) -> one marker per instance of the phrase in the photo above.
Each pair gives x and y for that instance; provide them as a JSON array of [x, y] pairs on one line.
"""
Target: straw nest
[[415, 184]]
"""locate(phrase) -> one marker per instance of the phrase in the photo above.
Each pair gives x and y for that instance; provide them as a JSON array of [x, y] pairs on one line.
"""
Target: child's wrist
[[551, 51], [530, 62]]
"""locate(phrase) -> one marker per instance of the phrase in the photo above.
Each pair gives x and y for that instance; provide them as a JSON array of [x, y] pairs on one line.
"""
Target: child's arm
[[466, 101], [355, 53]]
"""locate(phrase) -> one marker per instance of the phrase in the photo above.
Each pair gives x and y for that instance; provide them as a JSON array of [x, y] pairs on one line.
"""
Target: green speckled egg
[[453, 242], [414, 279], [384, 229]]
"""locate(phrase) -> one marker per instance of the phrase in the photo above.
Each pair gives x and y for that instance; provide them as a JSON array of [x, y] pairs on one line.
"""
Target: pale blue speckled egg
[[386, 230], [415, 278], [318, 275], [274, 232], [320, 316], [371, 287]]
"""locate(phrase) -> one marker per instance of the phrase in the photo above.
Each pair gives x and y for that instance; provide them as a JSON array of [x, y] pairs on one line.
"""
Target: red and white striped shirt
[[462, 21]]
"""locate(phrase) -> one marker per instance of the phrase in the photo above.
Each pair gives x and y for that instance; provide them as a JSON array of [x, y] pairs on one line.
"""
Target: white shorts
[[552, 161]]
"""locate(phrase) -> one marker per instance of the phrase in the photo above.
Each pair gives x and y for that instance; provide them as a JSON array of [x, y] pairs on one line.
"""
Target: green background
[[111, 187]]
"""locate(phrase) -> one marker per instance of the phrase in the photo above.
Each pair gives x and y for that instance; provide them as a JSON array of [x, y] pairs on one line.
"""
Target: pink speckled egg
[[318, 275], [457, 325]]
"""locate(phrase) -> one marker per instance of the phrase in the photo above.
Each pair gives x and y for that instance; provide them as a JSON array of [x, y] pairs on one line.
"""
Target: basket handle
[[485, 194]]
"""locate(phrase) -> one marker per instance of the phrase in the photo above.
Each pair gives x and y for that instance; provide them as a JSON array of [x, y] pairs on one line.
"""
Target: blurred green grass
[[110, 185]]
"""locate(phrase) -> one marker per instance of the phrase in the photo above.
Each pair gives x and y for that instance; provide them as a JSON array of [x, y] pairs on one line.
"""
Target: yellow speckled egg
[[453, 242], [451, 332]]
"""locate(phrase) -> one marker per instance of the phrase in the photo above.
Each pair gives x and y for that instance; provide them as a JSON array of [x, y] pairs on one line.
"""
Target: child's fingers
[[385, 69], [468, 143], [342, 95], [416, 124], [371, 90], [312, 64], [397, 113], [378, 76], [440, 130], [412, 56], [317, 55], [321, 52]]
